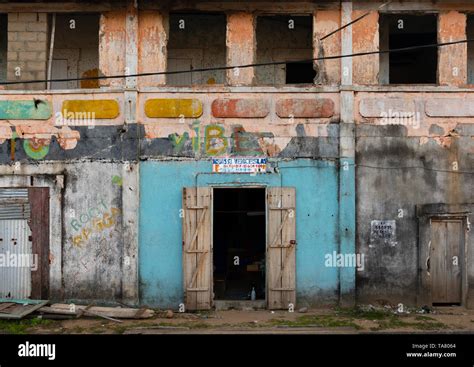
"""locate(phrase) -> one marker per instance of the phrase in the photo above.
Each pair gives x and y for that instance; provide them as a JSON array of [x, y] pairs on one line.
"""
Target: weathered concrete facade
[[116, 158]]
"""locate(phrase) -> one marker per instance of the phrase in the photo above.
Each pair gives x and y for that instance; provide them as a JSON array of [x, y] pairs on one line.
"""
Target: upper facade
[[197, 59]]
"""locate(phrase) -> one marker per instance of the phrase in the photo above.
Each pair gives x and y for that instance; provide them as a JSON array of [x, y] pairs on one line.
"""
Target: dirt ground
[[326, 321]]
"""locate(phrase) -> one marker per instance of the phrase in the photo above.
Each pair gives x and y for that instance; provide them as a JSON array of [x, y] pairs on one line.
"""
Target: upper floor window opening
[[196, 41], [286, 39]]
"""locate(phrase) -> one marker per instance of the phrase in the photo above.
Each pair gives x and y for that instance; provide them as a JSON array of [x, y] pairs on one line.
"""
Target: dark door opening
[[239, 236]]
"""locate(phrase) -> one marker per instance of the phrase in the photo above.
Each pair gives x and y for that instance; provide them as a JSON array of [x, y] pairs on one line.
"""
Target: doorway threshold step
[[240, 305]]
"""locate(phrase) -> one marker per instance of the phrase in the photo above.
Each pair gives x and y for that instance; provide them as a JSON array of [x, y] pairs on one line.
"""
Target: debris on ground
[[18, 308], [110, 313]]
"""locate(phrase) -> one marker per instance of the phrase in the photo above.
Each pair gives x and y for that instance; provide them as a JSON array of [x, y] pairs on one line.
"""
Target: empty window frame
[[196, 41], [417, 66], [470, 49], [76, 50], [285, 39]]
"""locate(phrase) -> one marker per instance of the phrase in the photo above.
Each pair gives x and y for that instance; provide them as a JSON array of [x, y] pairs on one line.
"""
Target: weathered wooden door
[[446, 259], [281, 247], [197, 248]]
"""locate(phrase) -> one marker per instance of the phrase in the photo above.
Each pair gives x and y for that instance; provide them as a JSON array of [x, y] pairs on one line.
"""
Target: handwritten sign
[[383, 231]]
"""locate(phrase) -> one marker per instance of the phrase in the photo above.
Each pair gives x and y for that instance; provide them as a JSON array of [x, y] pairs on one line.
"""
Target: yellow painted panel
[[98, 108], [173, 108]]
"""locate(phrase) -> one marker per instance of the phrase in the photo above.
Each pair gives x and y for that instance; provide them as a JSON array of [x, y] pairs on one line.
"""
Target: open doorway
[[239, 237]]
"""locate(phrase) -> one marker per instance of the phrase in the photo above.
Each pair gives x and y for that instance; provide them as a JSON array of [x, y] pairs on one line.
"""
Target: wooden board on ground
[[16, 309], [115, 312]]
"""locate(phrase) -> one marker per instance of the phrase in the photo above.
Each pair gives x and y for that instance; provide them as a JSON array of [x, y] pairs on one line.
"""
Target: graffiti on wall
[[211, 140], [95, 220], [36, 147]]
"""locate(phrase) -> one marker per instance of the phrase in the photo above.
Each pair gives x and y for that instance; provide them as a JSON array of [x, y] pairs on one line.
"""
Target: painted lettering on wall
[[95, 220], [211, 140]]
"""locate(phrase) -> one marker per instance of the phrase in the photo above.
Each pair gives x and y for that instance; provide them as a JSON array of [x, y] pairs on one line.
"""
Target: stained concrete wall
[[399, 165], [92, 238]]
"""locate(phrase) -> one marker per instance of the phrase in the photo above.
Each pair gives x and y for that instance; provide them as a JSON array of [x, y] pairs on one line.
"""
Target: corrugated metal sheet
[[13, 193], [15, 259], [14, 204]]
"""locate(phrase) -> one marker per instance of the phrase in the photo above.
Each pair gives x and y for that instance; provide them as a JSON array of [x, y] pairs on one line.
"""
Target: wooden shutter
[[197, 248], [281, 247]]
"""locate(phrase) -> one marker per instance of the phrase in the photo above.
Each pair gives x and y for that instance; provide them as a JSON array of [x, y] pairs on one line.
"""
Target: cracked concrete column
[[347, 209], [241, 47]]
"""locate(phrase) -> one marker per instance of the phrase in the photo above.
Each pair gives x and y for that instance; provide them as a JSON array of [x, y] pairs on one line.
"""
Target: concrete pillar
[[324, 22], [130, 206], [131, 46], [452, 60], [241, 47], [347, 207], [365, 37], [27, 53], [153, 30], [112, 47]]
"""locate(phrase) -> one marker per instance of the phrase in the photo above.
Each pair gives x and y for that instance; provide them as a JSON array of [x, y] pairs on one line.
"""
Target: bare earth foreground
[[326, 321]]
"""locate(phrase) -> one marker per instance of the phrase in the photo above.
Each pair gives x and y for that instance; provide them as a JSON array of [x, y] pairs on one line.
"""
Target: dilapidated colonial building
[[199, 153]]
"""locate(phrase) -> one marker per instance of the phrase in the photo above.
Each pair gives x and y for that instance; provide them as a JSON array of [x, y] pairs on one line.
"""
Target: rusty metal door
[[39, 223], [197, 248], [446, 259]]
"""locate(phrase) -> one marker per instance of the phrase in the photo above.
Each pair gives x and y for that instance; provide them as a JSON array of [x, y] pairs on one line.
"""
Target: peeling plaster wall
[[325, 22], [152, 48], [365, 37], [452, 60], [241, 47], [112, 46]]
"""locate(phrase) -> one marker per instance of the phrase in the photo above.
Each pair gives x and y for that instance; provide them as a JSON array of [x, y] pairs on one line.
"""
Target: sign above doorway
[[239, 165]]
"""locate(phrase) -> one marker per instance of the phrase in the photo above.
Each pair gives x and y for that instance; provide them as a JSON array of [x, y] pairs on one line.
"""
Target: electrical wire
[[354, 21], [236, 67]]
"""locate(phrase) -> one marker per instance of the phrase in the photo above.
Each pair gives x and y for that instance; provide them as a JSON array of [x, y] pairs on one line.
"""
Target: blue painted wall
[[160, 239]]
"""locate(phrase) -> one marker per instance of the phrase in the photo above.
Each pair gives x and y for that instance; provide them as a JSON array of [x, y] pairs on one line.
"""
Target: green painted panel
[[25, 110]]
